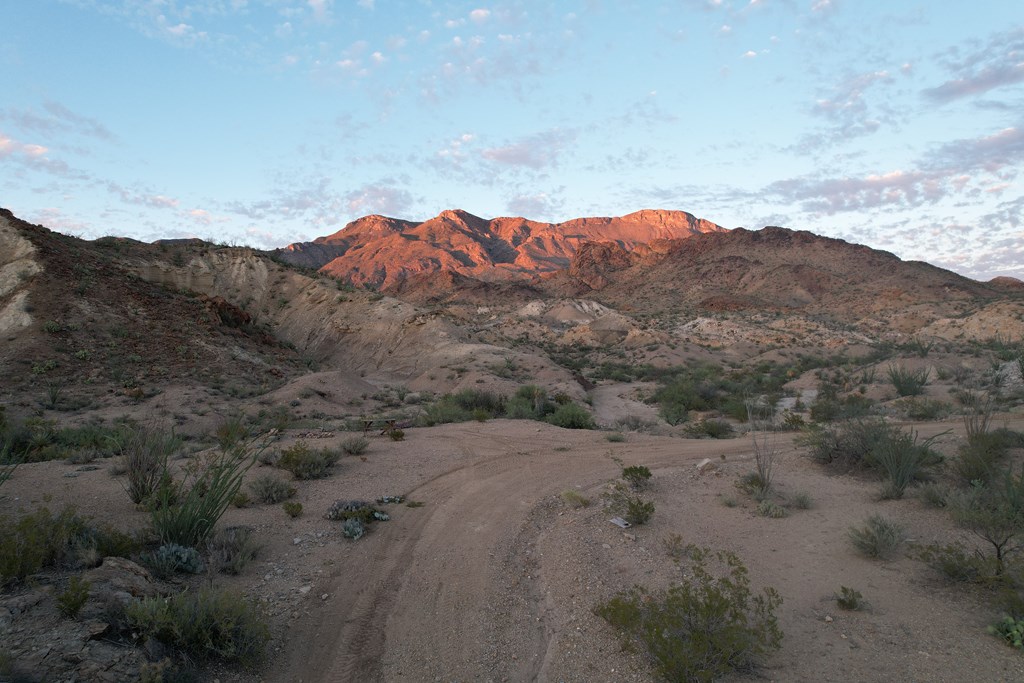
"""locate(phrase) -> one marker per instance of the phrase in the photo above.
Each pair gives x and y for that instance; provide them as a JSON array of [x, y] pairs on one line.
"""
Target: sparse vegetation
[[574, 499], [172, 558], [571, 416], [878, 538], [908, 382], [703, 628], [206, 623], [292, 508], [307, 463], [72, 599], [769, 508], [709, 429], [271, 490], [995, 513], [36, 540], [231, 550], [188, 517], [354, 445], [849, 599], [637, 476]]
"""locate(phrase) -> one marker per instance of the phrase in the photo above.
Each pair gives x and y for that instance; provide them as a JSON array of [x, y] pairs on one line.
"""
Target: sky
[[893, 123]]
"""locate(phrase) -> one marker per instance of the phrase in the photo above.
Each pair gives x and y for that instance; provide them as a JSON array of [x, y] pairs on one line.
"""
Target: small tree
[[994, 513]]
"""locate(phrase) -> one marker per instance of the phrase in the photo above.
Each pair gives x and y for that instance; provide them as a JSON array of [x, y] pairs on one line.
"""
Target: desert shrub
[[36, 540], [638, 476], [230, 431], [444, 412], [307, 463], [761, 415], [632, 507], [955, 563], [878, 538], [908, 382], [463, 406], [355, 445], [868, 443], [207, 623], [829, 408], [613, 437], [924, 409], [574, 499], [703, 628], [674, 546], [994, 513], [190, 518], [571, 416], [396, 434], [72, 599], [933, 494], [171, 558], [902, 459], [1010, 630], [709, 429], [353, 528], [768, 508], [292, 508], [270, 489], [232, 549], [241, 500], [980, 458], [354, 509], [144, 453], [753, 484], [801, 500], [633, 423], [849, 599]]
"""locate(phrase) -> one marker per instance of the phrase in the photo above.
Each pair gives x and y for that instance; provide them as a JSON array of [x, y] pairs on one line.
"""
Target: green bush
[[980, 458], [232, 549], [638, 476], [994, 513], [144, 453], [703, 628], [908, 382], [270, 489], [710, 429], [207, 623], [768, 508], [73, 598], [571, 416], [171, 558], [955, 563], [878, 538], [902, 460], [306, 463], [870, 443], [1010, 629], [189, 520], [292, 508], [37, 540], [355, 445], [613, 437], [396, 434], [849, 599], [621, 500], [574, 499]]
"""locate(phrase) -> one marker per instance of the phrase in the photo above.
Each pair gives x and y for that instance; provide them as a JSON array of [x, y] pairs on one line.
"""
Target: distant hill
[[380, 251]]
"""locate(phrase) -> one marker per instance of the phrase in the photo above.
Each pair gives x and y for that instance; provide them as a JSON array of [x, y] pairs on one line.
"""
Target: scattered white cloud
[[998, 63], [539, 206], [536, 151], [479, 16]]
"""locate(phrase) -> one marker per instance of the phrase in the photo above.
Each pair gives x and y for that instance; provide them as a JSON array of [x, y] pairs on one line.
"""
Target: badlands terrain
[[483, 384]]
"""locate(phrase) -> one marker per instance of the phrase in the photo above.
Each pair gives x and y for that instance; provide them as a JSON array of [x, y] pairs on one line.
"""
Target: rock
[[705, 466], [305, 589], [828, 620], [121, 579]]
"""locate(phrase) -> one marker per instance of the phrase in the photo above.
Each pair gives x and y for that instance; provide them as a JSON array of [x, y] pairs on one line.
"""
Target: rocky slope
[[380, 251]]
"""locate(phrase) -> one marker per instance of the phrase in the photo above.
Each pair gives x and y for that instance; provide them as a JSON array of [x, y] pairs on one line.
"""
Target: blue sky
[[897, 124]]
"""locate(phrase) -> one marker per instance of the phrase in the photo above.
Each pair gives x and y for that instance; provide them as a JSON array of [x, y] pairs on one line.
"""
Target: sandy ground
[[495, 578]]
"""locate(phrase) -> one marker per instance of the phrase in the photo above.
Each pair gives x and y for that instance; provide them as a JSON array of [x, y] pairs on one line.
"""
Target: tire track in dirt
[[452, 589]]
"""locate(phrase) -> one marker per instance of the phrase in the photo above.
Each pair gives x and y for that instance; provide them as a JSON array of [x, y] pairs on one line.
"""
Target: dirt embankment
[[16, 267]]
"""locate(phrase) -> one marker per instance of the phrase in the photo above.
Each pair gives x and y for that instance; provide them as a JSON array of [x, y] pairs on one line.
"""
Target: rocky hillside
[[773, 269], [380, 251]]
